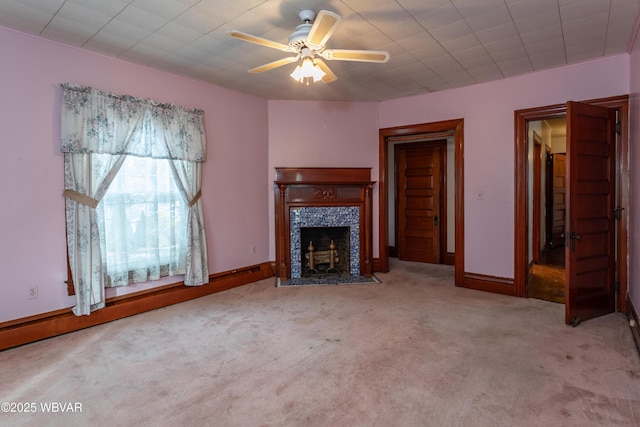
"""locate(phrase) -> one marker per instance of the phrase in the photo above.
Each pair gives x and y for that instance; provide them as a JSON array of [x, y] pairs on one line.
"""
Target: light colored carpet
[[413, 350]]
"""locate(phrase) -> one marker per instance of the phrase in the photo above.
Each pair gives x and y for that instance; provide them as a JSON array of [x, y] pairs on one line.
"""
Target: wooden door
[[590, 253], [418, 191], [559, 199]]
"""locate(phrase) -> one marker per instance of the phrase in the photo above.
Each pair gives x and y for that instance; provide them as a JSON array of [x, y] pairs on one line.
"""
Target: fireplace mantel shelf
[[321, 176], [322, 187]]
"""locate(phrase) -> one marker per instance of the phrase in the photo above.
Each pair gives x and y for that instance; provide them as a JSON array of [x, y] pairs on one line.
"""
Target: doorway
[[387, 138], [547, 207], [617, 108]]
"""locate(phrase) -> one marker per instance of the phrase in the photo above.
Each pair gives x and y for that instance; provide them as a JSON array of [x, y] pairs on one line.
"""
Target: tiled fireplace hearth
[[326, 205]]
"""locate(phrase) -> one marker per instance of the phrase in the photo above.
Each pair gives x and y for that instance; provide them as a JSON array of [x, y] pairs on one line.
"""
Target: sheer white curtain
[[143, 223], [188, 176], [103, 128]]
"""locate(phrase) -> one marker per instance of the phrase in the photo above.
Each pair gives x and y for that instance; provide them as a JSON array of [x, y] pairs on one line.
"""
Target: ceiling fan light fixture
[[307, 71], [307, 41]]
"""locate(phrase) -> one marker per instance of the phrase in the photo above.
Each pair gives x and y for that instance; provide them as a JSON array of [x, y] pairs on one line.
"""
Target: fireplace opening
[[325, 251]]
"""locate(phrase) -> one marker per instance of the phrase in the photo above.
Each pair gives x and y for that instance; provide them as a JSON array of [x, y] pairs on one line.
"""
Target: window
[[133, 178], [143, 223]]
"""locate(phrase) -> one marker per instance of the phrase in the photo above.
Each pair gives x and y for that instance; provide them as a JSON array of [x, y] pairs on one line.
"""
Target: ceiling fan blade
[[258, 40], [274, 64], [323, 27], [328, 76], [356, 55]]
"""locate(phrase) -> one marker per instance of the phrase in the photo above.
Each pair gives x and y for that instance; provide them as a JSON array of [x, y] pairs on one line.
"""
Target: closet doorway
[[452, 130], [547, 209], [597, 156]]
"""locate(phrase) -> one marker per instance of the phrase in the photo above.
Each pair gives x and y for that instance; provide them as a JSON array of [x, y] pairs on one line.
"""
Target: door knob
[[574, 238]]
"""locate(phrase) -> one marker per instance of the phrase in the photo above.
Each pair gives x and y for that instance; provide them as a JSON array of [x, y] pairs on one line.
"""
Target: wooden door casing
[[537, 196]]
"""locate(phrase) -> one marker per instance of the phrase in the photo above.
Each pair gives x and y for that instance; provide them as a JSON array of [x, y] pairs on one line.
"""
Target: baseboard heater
[[634, 322], [34, 328]]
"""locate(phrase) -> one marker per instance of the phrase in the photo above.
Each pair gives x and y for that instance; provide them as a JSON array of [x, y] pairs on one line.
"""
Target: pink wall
[[32, 230], [634, 165], [488, 113], [322, 134], [238, 201]]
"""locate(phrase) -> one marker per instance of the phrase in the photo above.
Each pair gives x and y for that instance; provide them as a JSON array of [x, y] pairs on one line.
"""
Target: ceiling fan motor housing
[[298, 37], [307, 16]]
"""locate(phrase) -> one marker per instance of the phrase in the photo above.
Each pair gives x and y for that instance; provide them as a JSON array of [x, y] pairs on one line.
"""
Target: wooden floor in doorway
[[546, 281]]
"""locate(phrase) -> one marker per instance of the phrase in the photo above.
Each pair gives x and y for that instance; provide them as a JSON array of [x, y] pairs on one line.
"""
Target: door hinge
[[617, 213], [617, 286], [618, 128]]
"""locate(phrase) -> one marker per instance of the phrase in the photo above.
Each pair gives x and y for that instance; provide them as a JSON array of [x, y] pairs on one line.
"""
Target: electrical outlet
[[33, 293], [253, 249]]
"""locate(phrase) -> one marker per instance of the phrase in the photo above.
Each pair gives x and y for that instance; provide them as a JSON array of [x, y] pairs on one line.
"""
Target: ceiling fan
[[307, 42]]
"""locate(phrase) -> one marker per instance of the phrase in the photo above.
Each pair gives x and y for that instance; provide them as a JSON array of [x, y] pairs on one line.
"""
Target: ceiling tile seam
[[522, 43], [107, 23], [479, 42], [159, 61], [401, 47], [606, 33], [52, 18], [166, 23], [440, 44], [564, 42]]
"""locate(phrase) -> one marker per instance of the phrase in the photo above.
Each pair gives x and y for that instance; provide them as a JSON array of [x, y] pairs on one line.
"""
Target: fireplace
[[328, 209], [328, 252]]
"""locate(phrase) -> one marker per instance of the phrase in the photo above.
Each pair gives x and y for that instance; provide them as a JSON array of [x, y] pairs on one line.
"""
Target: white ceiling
[[434, 44]]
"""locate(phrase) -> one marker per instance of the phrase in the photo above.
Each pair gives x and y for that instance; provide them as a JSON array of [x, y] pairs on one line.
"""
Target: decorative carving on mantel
[[298, 187], [325, 193]]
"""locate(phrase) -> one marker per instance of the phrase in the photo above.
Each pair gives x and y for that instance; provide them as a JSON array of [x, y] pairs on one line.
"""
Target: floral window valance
[[100, 122]]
